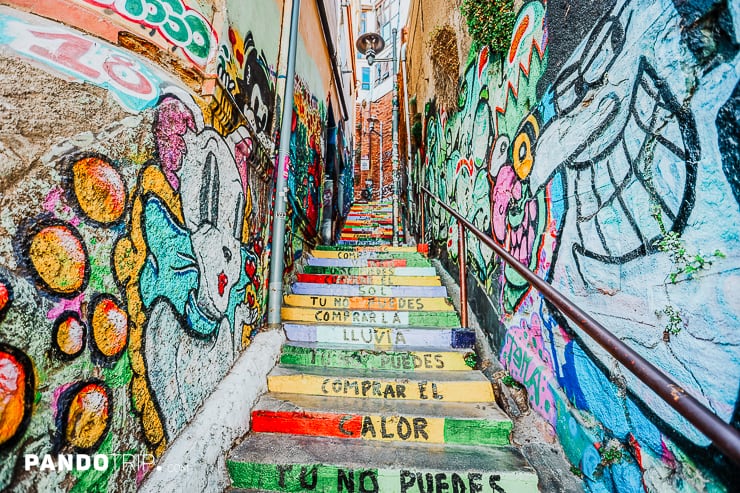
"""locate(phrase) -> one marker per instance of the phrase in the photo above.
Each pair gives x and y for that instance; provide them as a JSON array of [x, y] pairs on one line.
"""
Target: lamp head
[[369, 44]]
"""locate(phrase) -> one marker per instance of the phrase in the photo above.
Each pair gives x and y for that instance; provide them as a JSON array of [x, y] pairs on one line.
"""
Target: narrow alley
[[369, 246]]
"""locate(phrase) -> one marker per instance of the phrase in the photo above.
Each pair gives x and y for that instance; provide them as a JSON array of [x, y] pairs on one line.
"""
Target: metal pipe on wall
[[394, 155], [277, 265], [409, 199]]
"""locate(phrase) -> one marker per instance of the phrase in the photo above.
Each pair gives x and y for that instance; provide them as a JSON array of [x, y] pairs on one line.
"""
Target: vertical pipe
[[380, 154], [462, 261], [275, 287], [395, 140], [409, 198]]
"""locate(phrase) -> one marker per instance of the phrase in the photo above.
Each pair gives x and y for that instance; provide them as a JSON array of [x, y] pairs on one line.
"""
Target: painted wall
[[601, 151], [134, 221]]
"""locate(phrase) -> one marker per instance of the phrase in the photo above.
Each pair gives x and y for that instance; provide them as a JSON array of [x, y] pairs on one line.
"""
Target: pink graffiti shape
[[502, 195], [73, 305], [174, 119], [243, 153], [54, 199]]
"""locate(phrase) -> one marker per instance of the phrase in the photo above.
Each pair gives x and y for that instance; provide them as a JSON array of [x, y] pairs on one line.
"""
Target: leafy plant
[[509, 381], [490, 23], [610, 455], [685, 264], [675, 321], [576, 471]]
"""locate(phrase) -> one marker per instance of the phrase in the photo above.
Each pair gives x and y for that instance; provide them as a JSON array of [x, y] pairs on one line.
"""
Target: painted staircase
[[375, 390]]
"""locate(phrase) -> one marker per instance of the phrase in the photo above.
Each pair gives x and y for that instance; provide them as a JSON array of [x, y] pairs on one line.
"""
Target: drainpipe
[[409, 198], [275, 287], [394, 154], [380, 192]]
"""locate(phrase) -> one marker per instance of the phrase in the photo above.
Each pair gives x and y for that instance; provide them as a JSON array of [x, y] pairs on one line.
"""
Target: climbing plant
[[445, 65], [685, 263], [490, 22]]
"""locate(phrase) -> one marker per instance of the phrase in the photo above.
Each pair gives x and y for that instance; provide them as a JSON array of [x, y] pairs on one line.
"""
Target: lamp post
[[369, 44]]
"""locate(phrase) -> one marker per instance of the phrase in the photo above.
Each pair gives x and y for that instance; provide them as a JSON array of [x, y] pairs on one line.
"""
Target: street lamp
[[369, 44]]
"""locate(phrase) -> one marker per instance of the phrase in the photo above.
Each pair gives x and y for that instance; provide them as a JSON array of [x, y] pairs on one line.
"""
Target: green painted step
[[372, 419], [346, 356], [292, 463]]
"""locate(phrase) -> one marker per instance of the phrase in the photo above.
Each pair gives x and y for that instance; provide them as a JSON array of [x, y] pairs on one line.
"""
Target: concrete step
[[358, 358], [379, 318], [458, 386], [317, 289], [373, 419], [381, 337], [370, 303], [292, 463], [369, 262], [377, 280], [371, 271]]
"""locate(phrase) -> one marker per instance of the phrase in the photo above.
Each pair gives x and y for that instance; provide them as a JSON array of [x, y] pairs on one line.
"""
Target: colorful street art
[[179, 24], [584, 179], [81, 58], [305, 178], [133, 275], [246, 75]]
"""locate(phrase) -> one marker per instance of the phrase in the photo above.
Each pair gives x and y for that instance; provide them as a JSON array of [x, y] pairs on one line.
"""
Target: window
[[384, 21], [377, 73], [385, 31], [365, 78], [363, 23]]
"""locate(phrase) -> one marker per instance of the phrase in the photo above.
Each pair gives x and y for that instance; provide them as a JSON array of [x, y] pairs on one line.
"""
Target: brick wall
[[369, 145]]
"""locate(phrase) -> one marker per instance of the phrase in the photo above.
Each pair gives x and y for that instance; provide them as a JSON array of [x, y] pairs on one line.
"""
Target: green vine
[[685, 264], [490, 23]]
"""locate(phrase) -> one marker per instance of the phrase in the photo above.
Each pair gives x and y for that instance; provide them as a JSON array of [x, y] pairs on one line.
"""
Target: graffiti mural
[[131, 262], [306, 168], [245, 73], [179, 25], [82, 58], [586, 180], [191, 305]]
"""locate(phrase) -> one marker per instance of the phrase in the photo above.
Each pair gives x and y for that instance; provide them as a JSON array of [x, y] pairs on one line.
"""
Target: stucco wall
[[134, 222], [600, 147]]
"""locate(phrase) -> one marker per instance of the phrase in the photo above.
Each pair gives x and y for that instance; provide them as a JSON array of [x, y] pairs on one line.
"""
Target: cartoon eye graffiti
[[522, 150], [209, 191]]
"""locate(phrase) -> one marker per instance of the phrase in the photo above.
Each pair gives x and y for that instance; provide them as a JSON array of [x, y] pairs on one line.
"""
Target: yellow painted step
[[470, 386]]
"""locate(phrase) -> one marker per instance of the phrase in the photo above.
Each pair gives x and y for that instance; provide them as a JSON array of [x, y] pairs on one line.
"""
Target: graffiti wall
[[132, 253], [607, 163]]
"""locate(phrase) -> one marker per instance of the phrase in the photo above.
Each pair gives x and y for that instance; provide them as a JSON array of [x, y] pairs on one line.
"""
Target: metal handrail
[[725, 437]]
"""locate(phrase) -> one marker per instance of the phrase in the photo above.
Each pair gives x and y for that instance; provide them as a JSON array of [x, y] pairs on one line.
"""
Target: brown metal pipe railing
[[723, 436], [462, 259]]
